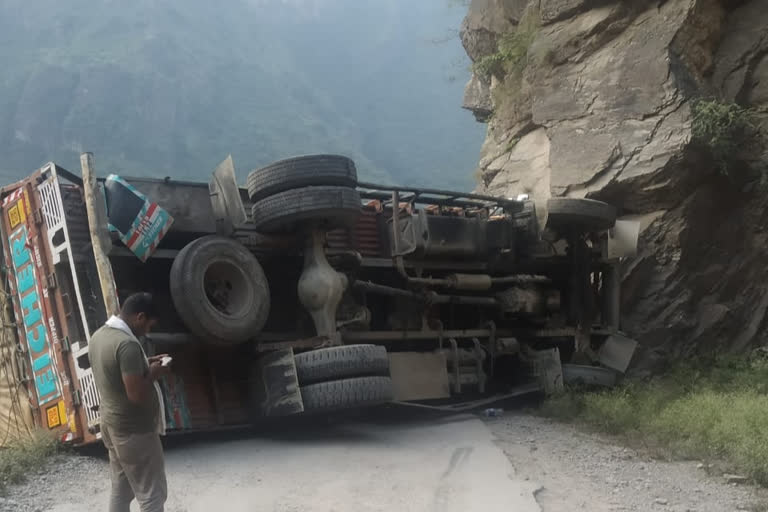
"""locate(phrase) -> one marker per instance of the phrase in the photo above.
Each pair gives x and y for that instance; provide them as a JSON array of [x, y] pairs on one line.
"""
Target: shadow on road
[[339, 426]]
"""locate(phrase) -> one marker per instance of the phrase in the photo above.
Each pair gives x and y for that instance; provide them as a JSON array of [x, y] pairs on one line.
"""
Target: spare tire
[[346, 394], [341, 362], [330, 207], [219, 290], [566, 214], [303, 171]]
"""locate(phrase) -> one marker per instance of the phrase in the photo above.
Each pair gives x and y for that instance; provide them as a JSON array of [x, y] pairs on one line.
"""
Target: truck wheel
[[331, 207], [219, 290], [579, 215], [346, 394], [341, 362], [303, 171]]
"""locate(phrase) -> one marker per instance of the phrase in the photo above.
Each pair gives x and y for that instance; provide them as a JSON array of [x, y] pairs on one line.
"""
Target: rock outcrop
[[599, 103]]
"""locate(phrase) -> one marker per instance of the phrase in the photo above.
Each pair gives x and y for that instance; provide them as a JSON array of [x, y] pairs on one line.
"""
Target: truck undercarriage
[[311, 291]]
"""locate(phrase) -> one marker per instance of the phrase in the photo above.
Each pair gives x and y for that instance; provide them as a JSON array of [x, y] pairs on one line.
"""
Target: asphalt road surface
[[402, 460], [438, 464]]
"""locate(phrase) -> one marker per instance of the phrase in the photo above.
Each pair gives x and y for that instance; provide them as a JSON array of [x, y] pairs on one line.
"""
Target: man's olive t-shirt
[[113, 353]]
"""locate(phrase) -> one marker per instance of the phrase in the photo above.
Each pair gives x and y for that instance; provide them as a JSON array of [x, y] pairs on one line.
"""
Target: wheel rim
[[226, 288]]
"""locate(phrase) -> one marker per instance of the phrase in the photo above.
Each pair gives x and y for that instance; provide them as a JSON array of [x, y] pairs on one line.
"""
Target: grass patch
[[511, 55], [25, 455], [725, 129], [511, 144], [715, 410]]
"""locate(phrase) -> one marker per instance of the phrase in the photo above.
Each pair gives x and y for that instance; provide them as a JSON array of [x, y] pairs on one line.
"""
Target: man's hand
[[157, 369], [157, 358]]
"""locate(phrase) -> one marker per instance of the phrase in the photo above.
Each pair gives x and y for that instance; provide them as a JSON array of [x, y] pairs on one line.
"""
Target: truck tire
[[568, 214], [331, 207], [219, 290], [346, 394], [341, 363], [583, 375], [299, 172]]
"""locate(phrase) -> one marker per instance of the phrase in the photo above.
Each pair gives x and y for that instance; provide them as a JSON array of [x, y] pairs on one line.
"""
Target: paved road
[[440, 465]]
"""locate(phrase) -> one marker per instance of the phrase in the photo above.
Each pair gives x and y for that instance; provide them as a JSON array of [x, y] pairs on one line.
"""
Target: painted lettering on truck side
[[34, 325]]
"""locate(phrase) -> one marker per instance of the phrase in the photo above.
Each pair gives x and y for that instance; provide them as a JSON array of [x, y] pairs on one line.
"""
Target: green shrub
[[725, 129], [512, 49]]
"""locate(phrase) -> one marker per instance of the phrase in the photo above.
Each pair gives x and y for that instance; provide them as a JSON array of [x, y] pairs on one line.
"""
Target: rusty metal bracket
[[492, 347], [396, 229], [440, 329], [333, 340], [456, 365], [362, 316], [479, 362], [397, 252]]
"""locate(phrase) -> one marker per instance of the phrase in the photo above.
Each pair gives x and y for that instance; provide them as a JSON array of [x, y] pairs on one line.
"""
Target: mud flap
[[616, 352], [547, 369], [419, 375], [275, 386], [227, 205]]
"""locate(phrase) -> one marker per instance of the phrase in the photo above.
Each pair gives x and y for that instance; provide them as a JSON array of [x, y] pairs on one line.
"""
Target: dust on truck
[[305, 292]]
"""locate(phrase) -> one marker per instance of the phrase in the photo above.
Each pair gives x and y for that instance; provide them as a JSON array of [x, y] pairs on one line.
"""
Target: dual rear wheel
[[221, 293], [344, 377]]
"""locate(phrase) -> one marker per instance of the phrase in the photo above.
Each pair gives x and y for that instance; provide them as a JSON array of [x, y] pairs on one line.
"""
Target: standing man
[[131, 406]]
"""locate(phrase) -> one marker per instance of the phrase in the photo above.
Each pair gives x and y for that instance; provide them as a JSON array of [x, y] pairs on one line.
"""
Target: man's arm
[[138, 382]]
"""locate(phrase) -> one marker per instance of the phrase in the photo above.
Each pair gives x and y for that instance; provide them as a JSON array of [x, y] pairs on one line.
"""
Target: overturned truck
[[305, 292]]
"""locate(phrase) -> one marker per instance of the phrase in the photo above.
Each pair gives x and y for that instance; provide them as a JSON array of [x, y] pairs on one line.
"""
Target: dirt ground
[[416, 462]]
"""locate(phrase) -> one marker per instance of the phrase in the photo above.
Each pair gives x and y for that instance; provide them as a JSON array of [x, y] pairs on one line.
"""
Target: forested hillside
[[171, 88]]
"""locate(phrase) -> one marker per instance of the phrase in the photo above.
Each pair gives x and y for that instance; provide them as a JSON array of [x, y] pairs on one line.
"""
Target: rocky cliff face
[[601, 99]]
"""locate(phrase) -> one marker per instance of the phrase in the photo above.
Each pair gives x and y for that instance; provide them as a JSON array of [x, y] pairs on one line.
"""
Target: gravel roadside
[[582, 471], [68, 476]]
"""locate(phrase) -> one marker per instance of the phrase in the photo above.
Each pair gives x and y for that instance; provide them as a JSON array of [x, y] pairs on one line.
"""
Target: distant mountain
[[161, 87]]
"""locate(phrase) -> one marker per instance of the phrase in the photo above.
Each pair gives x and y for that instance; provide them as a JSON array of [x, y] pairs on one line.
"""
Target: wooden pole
[[97, 225]]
